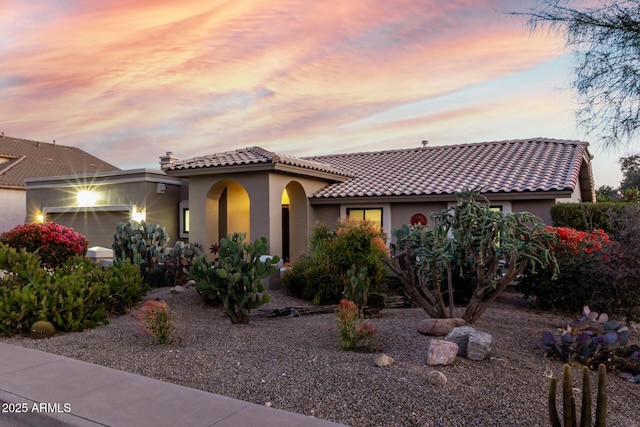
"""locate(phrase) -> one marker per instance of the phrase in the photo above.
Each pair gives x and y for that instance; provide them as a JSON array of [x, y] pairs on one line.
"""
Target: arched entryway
[[227, 211], [294, 221]]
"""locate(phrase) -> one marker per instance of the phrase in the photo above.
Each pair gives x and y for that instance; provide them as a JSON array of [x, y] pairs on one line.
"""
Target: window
[[184, 219], [370, 214], [500, 206]]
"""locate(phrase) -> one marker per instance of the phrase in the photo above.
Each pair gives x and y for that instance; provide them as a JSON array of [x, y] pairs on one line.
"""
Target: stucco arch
[[295, 220], [227, 210]]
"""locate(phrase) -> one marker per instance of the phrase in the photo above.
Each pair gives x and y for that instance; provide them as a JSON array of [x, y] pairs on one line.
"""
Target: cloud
[[129, 80]]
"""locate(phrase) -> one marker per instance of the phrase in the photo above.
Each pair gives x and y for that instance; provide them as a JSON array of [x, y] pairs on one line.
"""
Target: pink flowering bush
[[54, 243]]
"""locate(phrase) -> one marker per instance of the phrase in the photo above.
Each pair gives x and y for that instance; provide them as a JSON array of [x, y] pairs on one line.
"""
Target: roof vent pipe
[[424, 143]]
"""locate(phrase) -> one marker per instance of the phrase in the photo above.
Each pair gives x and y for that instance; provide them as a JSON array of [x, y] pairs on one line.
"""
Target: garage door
[[97, 226]]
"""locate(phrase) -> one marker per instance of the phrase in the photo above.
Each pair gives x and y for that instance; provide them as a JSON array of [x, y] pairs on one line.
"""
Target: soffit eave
[[11, 187], [258, 167], [427, 198]]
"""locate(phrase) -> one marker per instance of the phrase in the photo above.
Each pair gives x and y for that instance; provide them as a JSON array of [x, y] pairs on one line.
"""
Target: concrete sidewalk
[[52, 390]]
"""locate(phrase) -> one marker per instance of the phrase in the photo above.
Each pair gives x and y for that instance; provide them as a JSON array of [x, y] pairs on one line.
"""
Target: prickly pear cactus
[[178, 262], [236, 279], [140, 242]]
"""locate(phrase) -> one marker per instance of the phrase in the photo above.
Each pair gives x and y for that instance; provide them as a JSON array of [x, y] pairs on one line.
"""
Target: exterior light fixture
[[86, 198], [40, 218], [138, 215]]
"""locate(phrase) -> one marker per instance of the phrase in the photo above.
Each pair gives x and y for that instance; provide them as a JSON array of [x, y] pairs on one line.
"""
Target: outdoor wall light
[[138, 215], [86, 198], [40, 218]]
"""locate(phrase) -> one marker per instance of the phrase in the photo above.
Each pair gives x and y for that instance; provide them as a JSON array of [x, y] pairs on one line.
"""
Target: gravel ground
[[297, 364]]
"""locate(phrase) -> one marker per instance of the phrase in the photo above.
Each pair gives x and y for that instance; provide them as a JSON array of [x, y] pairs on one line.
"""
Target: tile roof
[[525, 165], [30, 159], [251, 155]]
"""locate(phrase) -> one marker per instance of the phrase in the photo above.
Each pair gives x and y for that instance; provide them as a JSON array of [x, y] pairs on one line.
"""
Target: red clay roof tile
[[501, 166], [524, 165], [251, 155]]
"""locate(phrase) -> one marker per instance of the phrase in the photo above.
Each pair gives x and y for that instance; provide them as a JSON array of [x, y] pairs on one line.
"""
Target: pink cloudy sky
[[130, 80]]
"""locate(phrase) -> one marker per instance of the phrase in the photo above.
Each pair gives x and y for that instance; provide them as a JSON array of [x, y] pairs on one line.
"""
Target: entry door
[[286, 238]]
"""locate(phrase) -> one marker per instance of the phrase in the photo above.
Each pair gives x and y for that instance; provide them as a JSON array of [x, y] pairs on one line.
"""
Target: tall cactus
[[601, 405], [569, 407]]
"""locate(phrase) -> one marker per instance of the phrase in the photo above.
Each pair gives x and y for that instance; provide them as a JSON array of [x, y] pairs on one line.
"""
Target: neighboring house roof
[[526, 165], [21, 159], [252, 156]]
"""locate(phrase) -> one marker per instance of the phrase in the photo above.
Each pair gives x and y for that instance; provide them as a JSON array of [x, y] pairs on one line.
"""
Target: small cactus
[[568, 405], [42, 329], [155, 319], [357, 290]]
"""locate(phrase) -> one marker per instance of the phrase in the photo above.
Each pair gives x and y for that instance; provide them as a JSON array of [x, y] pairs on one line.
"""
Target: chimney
[[169, 159], [424, 143]]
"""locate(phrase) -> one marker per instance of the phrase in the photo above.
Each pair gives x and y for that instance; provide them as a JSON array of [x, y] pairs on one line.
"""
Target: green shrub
[[321, 275], [69, 297], [613, 284], [236, 279], [74, 296], [54, 243], [126, 287], [593, 271], [361, 244], [313, 278], [612, 218]]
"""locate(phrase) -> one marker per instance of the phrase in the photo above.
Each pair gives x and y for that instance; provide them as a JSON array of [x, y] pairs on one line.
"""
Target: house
[[279, 196], [21, 159]]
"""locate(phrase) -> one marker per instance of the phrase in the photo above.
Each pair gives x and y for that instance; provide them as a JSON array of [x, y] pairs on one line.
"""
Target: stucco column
[[198, 190], [265, 213]]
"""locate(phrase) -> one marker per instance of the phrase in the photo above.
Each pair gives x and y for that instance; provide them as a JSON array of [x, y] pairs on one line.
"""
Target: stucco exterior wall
[[264, 209], [401, 213], [576, 195], [540, 208], [204, 194], [12, 209], [300, 211], [150, 192], [325, 214]]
